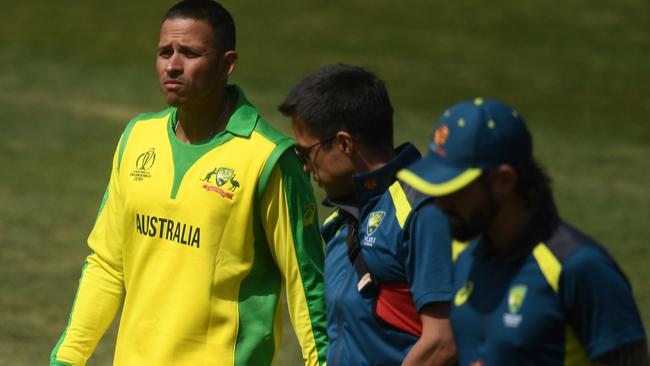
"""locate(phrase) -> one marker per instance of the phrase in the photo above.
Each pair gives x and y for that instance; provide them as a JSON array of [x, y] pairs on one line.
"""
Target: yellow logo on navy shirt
[[463, 293], [221, 177], [374, 221], [143, 164], [516, 298]]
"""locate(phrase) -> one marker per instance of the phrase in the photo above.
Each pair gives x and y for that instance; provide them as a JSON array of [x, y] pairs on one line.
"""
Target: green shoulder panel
[[279, 151], [269, 131], [282, 142]]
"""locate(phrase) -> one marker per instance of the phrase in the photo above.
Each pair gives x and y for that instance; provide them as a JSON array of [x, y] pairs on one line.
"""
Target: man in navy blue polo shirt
[[530, 289], [388, 253]]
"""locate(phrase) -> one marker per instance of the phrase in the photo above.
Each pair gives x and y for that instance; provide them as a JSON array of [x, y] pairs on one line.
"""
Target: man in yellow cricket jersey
[[207, 214]]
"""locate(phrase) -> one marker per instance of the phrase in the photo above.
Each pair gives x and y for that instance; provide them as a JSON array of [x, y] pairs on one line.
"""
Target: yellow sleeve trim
[[574, 354]]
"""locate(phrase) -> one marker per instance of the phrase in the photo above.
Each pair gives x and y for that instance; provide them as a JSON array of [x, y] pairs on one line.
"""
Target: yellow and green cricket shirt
[[195, 244]]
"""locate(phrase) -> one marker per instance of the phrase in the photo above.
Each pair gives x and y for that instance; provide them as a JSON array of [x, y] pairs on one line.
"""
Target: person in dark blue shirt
[[388, 248], [529, 289]]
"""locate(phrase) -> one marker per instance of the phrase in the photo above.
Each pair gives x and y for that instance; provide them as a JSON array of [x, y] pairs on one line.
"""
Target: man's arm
[[291, 225], [436, 344], [428, 270], [601, 309], [100, 287], [635, 354]]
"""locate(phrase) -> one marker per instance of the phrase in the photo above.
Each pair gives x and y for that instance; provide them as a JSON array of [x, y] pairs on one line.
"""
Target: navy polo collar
[[372, 184]]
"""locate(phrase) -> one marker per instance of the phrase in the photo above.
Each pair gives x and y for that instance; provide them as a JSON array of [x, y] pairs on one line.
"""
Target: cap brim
[[430, 177]]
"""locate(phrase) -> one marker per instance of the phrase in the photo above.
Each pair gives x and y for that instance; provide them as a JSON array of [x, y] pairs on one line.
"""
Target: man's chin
[[172, 99], [463, 234], [173, 102]]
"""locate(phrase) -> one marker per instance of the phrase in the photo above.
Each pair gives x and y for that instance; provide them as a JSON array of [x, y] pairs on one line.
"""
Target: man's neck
[[370, 160], [202, 121]]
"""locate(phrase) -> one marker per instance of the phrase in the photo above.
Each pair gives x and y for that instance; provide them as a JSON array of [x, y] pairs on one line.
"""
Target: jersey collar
[[243, 120], [374, 183]]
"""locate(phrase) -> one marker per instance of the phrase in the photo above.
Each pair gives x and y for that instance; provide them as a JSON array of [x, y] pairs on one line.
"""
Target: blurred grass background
[[74, 72]]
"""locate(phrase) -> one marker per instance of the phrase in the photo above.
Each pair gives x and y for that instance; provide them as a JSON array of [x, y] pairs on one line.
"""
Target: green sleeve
[[290, 221]]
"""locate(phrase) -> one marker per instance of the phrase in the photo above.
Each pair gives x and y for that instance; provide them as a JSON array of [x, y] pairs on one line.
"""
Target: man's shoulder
[[332, 224], [248, 118], [582, 260], [571, 246], [409, 206], [158, 116], [270, 132]]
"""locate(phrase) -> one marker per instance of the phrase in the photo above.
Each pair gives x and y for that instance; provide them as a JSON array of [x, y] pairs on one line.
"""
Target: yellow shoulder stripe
[[402, 205], [549, 265]]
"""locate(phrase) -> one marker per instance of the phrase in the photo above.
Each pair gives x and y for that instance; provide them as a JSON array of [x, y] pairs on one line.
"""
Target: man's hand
[[436, 345]]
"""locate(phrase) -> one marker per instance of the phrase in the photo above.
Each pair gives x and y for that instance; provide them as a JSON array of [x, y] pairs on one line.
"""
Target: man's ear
[[504, 180], [346, 143], [228, 64]]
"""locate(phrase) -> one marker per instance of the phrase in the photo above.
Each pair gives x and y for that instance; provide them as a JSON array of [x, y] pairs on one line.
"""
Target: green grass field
[[74, 72]]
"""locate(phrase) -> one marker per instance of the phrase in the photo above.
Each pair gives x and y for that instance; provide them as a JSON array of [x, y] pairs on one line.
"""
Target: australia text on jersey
[[168, 229]]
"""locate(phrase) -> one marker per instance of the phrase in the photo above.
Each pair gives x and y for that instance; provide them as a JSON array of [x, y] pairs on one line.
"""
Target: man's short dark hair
[[212, 12], [342, 97]]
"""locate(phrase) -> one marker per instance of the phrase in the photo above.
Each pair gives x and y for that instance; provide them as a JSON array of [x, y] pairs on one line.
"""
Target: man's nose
[[174, 65]]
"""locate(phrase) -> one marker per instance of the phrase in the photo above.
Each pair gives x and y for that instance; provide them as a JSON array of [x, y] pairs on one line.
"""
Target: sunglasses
[[304, 152]]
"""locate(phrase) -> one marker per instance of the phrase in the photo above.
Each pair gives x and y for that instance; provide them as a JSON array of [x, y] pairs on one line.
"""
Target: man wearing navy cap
[[530, 289]]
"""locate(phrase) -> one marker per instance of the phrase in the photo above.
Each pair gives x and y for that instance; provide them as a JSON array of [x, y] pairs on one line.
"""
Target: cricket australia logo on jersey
[[221, 177], [463, 293], [143, 164], [374, 220], [516, 297]]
